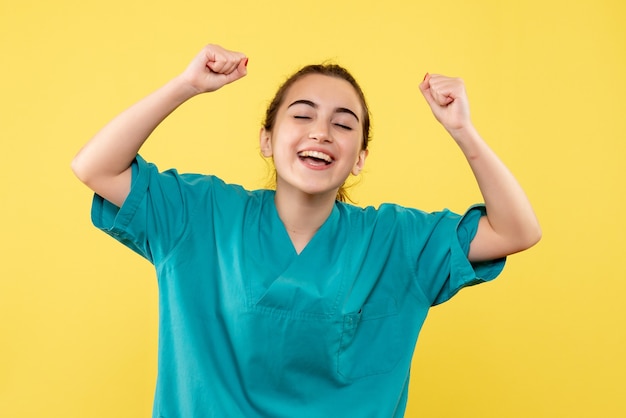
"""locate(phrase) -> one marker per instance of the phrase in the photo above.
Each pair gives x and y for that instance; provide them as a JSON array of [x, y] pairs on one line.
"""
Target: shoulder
[[390, 221], [191, 182], [193, 191], [388, 214]]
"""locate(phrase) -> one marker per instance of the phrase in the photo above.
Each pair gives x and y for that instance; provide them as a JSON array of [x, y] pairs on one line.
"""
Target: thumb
[[425, 89], [241, 70], [436, 95]]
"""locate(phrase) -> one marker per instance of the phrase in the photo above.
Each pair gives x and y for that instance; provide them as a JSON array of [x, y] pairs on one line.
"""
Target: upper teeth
[[316, 154]]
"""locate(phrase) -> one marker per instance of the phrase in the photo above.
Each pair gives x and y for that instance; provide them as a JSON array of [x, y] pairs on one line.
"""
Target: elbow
[[112, 187], [535, 232], [538, 235], [531, 237], [79, 169], [491, 244], [85, 170]]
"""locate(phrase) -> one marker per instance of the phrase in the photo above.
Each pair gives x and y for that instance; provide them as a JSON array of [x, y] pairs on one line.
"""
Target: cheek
[[354, 145], [281, 149]]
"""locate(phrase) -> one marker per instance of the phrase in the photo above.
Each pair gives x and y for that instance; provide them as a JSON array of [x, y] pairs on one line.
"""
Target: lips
[[316, 158]]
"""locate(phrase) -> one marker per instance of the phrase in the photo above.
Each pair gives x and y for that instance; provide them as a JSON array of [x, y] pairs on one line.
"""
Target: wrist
[[469, 140], [182, 88], [463, 133]]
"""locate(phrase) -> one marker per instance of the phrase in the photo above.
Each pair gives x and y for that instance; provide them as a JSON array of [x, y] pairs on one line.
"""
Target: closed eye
[[346, 127], [301, 117]]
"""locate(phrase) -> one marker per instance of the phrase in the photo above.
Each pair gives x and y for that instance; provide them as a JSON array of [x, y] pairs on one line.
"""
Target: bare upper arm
[[489, 245], [115, 189]]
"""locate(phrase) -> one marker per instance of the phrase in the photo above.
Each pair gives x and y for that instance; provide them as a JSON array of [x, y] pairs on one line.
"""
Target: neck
[[302, 215]]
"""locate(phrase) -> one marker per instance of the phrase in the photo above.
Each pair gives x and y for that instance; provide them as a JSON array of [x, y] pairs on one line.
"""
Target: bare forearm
[[512, 224], [111, 151], [103, 164]]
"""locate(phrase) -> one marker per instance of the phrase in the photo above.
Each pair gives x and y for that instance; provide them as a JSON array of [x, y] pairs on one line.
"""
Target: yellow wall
[[547, 85]]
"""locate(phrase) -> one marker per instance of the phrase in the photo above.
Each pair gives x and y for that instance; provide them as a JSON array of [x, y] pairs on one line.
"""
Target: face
[[317, 136]]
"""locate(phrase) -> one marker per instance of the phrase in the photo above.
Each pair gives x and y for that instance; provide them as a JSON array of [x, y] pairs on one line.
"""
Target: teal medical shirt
[[249, 328]]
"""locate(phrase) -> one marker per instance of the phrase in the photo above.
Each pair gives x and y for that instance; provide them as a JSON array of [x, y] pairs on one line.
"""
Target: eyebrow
[[315, 106]]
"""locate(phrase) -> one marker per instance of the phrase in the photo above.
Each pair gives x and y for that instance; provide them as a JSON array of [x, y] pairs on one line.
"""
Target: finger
[[225, 63], [451, 87], [441, 92], [235, 61], [238, 62], [239, 72], [443, 99], [242, 68], [215, 65], [229, 63], [426, 92]]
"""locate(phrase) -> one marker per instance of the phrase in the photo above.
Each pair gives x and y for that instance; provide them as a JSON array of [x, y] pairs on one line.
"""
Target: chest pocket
[[370, 340]]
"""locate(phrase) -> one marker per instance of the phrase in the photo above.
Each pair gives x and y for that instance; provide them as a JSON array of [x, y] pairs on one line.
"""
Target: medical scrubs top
[[250, 328]]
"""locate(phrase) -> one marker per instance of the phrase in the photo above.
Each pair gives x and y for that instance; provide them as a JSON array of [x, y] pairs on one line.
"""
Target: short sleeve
[[444, 267], [152, 218]]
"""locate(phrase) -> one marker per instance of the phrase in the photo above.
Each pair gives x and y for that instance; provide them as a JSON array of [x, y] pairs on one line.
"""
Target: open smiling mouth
[[315, 158]]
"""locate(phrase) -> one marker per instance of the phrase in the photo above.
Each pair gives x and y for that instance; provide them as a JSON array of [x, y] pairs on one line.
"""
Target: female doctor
[[292, 303]]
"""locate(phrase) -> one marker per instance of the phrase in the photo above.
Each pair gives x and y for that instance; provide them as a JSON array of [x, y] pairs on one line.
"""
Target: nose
[[320, 132]]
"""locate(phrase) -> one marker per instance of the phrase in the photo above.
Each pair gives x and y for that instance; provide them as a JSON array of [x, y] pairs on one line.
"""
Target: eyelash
[[348, 128]]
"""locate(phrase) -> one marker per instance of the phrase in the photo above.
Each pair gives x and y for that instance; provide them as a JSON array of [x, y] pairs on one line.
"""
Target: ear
[[265, 141], [360, 162]]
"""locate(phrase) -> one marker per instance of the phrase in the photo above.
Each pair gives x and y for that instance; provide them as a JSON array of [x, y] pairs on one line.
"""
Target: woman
[[291, 303]]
